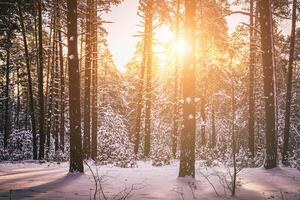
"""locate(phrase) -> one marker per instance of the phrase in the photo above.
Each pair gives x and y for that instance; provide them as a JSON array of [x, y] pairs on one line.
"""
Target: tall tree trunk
[[141, 90], [269, 90], [87, 82], [7, 125], [187, 149], [50, 59], [40, 84], [203, 116], [213, 123], [62, 88], [50, 91], [176, 108], [18, 107], [94, 80], [31, 101], [287, 122], [149, 81], [251, 82], [76, 161], [56, 92], [234, 138]]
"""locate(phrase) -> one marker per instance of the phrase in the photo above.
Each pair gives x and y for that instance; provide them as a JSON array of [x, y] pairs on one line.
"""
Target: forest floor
[[30, 180]]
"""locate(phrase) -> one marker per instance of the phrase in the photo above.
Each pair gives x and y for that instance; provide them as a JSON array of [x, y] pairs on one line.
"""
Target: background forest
[[141, 113]]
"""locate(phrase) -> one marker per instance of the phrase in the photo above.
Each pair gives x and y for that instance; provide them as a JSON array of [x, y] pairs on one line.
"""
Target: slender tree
[[7, 121], [41, 83], [62, 86], [87, 82], [30, 90], [251, 82], [187, 149], [287, 122], [265, 11], [141, 86], [203, 116], [176, 95], [76, 158], [213, 123], [94, 79], [148, 106]]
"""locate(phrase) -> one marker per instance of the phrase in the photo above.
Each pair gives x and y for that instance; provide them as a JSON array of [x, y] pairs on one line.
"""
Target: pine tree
[[176, 84], [148, 103], [269, 79], [41, 83], [87, 82], [289, 87], [187, 149], [94, 96], [76, 157], [251, 81], [30, 90]]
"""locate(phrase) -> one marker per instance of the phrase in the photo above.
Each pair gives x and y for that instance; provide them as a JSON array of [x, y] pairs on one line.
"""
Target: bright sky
[[120, 38]]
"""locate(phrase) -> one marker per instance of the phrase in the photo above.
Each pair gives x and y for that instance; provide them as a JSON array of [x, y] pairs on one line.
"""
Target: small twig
[[95, 179], [208, 180]]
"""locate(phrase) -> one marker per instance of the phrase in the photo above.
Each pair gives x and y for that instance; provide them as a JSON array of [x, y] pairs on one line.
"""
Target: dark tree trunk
[[31, 101], [87, 83], [94, 80], [203, 116], [56, 93], [269, 79], [213, 123], [62, 89], [50, 91], [76, 161], [7, 125], [50, 58], [141, 90], [176, 106], [251, 82], [187, 149], [148, 120], [287, 121], [40, 84], [234, 138], [18, 106]]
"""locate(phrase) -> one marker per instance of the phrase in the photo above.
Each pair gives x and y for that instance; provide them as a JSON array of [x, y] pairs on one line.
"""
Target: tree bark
[[203, 116], [40, 84], [233, 135], [213, 123], [148, 107], [50, 91], [269, 82], [7, 125], [176, 106], [56, 90], [87, 82], [62, 88], [76, 161], [94, 80], [141, 90], [31, 101], [187, 149], [287, 121], [251, 82]]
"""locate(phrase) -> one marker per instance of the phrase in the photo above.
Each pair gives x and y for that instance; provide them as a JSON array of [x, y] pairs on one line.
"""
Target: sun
[[180, 46], [167, 46], [164, 35]]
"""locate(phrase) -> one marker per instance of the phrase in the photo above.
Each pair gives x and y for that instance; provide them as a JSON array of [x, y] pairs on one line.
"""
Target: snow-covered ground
[[52, 181]]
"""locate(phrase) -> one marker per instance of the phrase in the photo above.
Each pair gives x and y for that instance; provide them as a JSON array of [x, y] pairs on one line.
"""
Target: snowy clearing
[[52, 181]]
